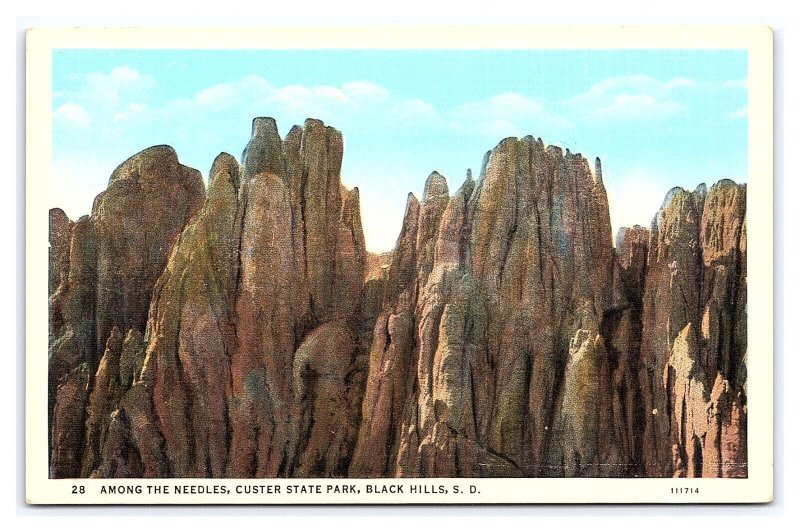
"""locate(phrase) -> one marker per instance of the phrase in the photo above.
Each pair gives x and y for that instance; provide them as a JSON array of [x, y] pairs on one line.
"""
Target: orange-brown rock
[[250, 334], [148, 201], [115, 257], [491, 320], [60, 230], [66, 423], [328, 421], [391, 364], [103, 400], [621, 327], [630, 266], [192, 334], [694, 331], [253, 355]]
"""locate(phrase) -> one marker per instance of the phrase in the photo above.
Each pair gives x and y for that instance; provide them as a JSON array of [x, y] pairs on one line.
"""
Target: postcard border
[[758, 487]]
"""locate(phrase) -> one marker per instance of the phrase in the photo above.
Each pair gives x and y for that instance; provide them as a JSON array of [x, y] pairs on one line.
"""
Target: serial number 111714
[[682, 491]]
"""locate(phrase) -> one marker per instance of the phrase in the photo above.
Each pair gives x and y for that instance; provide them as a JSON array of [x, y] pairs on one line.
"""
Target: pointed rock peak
[[159, 150], [319, 138], [264, 126], [721, 389], [598, 170], [506, 144], [674, 191], [587, 319], [97, 200], [411, 201], [161, 159], [224, 162], [623, 231], [677, 199], [313, 123], [113, 345], [351, 203], [484, 165], [225, 167], [411, 213], [435, 185], [629, 236], [688, 336], [469, 174], [296, 131], [58, 217], [264, 152], [133, 336], [466, 188], [555, 151], [115, 336], [699, 196], [724, 183]]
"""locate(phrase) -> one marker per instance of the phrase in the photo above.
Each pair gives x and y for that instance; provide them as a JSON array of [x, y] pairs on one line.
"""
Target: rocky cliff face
[[115, 257], [487, 291], [244, 331], [694, 341]]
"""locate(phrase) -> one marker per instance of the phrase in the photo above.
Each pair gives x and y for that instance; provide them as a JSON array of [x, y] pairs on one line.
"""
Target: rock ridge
[[241, 329]]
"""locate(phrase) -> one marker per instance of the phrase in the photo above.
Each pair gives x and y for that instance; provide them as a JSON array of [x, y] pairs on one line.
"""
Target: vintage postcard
[[399, 265]]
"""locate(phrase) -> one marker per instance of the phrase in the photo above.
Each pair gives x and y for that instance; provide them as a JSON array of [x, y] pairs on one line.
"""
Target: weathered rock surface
[[60, 229], [694, 329], [520, 260], [250, 334], [192, 336], [254, 344], [115, 257]]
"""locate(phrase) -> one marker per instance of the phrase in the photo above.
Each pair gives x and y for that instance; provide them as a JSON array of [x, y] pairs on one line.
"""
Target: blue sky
[[656, 118]]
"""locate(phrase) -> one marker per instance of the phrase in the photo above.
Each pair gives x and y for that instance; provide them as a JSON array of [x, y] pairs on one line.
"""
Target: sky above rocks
[[657, 119]]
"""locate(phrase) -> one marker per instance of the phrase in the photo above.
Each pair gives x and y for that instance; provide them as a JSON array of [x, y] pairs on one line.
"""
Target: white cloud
[[636, 106], [73, 114], [109, 88], [414, 113], [629, 97], [131, 111], [104, 100], [679, 83], [323, 100], [226, 95], [500, 115], [620, 82], [319, 101], [365, 91], [506, 114], [121, 95]]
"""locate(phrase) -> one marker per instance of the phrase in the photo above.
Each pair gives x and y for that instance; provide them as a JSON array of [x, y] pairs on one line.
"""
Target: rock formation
[[694, 339], [115, 257], [479, 337], [244, 330]]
